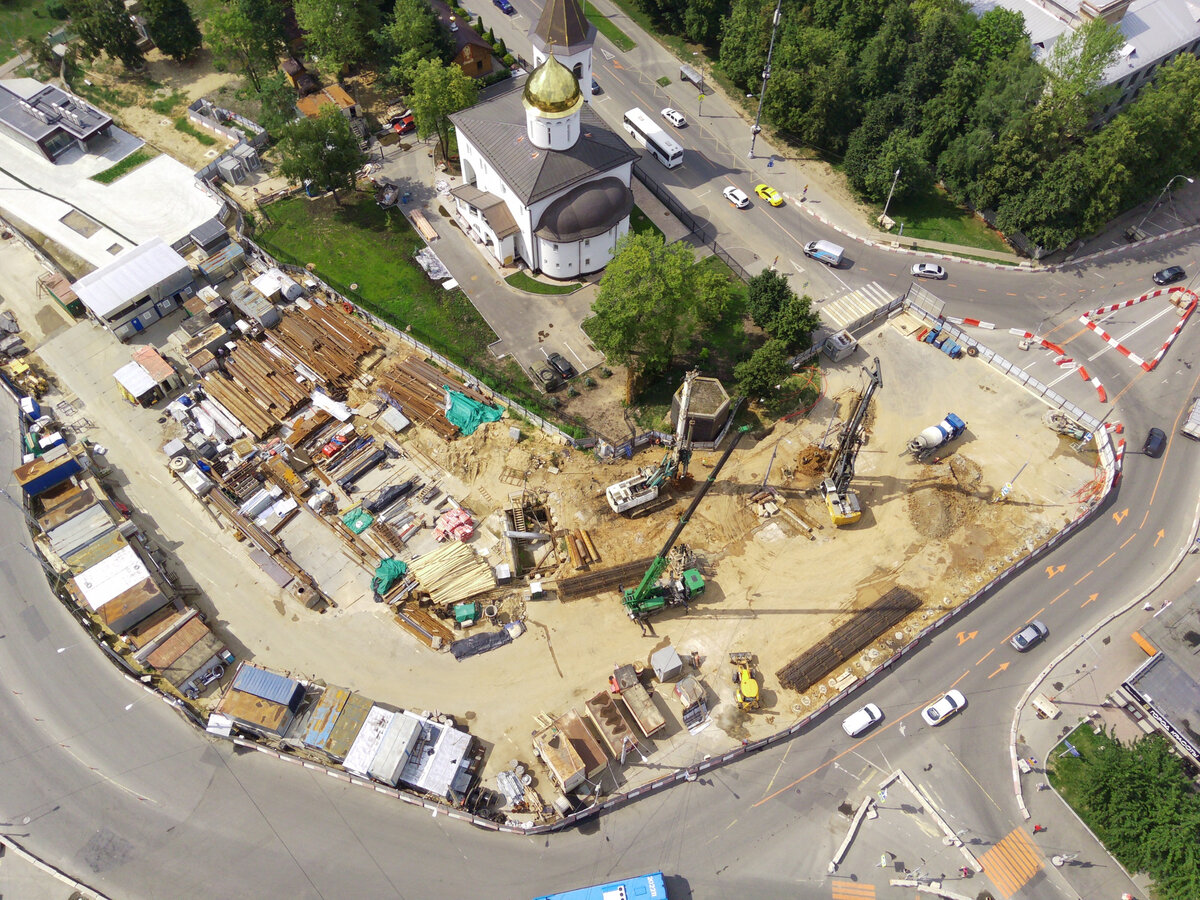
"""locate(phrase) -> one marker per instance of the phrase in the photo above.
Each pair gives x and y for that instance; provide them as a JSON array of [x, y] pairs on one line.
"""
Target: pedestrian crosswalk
[[1012, 863], [853, 890], [856, 305]]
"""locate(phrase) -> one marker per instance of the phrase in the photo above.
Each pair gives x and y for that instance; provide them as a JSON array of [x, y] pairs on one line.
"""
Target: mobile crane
[[650, 597], [843, 505], [634, 495]]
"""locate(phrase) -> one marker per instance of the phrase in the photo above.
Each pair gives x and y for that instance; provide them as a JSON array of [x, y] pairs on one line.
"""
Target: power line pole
[[766, 75]]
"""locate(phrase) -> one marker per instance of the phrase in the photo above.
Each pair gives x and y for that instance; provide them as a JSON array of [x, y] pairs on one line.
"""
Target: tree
[[998, 31], [105, 26], [339, 31], [247, 35], [437, 91], [276, 101], [744, 39], [795, 323], [652, 297], [172, 27], [767, 293], [765, 368], [409, 36], [321, 150]]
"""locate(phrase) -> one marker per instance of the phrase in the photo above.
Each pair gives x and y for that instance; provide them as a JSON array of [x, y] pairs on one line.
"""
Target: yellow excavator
[[747, 685]]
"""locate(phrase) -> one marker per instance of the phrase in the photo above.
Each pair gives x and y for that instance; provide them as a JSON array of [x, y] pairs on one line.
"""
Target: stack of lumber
[[452, 574], [257, 420], [424, 627], [581, 549], [325, 340], [416, 387], [270, 379]]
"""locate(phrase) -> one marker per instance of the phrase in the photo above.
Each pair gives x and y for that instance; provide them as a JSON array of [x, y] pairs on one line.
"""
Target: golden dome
[[552, 89]]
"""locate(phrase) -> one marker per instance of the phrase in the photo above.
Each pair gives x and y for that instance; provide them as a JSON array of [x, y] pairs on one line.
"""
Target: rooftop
[[128, 277], [37, 110]]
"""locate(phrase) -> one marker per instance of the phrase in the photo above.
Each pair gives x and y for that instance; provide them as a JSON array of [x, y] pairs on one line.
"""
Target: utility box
[[838, 346]]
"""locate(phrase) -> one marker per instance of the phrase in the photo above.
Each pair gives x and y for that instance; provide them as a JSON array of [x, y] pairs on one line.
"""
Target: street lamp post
[[766, 75], [891, 191], [1160, 197]]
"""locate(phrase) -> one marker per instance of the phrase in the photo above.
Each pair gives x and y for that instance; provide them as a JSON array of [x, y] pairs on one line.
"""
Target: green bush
[[57, 9], [498, 49], [509, 60]]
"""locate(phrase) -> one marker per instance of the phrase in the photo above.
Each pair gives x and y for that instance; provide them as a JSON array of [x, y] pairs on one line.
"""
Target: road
[[106, 782]]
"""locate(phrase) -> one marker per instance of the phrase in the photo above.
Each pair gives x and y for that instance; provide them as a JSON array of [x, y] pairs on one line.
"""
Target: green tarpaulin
[[468, 414], [389, 572], [357, 520]]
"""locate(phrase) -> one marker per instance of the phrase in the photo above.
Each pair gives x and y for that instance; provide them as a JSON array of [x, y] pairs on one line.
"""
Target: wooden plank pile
[[324, 339], [452, 574], [416, 386]]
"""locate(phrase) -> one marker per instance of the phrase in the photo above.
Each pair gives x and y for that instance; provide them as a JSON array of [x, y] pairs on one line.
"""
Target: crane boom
[[842, 502], [649, 597]]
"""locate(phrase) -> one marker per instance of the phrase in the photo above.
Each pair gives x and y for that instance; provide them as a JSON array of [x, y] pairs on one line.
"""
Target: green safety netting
[[468, 414], [357, 520], [389, 572]]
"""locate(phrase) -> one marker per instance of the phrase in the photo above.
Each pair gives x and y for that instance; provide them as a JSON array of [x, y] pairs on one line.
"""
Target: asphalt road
[[107, 783]]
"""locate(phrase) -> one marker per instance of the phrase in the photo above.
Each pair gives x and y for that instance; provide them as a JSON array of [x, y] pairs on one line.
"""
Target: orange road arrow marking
[[964, 636], [1051, 571], [1000, 668], [1159, 536], [1118, 516], [1088, 600]]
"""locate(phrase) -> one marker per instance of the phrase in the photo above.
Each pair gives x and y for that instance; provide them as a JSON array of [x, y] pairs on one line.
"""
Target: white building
[[544, 179], [136, 289], [1155, 32]]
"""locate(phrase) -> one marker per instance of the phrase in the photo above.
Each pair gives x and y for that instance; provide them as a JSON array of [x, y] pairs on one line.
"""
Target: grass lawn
[[359, 243], [523, 282], [620, 39], [935, 218], [22, 19], [128, 164], [640, 223], [184, 124]]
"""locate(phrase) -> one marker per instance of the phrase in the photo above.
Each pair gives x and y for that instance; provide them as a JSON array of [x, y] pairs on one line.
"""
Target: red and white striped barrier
[[1063, 360], [1149, 367], [1094, 382], [975, 322], [1115, 428], [1111, 341]]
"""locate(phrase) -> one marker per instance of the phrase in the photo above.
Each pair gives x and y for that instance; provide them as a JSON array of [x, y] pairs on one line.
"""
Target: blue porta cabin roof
[[268, 686]]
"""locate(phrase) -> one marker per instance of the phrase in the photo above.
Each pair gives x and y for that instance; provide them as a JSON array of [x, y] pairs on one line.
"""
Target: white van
[[862, 721]]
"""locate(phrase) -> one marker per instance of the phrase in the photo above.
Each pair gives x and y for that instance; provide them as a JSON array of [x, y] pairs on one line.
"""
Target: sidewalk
[[1079, 686]]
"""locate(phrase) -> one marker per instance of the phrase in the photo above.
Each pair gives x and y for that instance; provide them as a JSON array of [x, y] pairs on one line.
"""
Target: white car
[[736, 197], [858, 722], [928, 270], [674, 116], [944, 707]]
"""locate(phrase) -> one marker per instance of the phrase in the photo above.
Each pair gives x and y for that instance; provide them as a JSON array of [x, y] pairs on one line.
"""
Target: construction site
[[357, 522]]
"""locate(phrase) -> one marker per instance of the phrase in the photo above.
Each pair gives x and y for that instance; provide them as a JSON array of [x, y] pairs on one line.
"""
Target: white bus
[[643, 130]]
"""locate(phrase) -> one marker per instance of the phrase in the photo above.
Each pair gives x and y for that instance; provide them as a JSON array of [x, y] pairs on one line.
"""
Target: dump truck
[[625, 684], [826, 252], [937, 435]]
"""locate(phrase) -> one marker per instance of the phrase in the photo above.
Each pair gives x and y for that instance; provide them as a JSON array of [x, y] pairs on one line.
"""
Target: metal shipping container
[[366, 743], [392, 755], [322, 716], [268, 685], [346, 729]]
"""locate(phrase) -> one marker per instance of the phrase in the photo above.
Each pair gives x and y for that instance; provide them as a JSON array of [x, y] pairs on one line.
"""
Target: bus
[[643, 887], [643, 130]]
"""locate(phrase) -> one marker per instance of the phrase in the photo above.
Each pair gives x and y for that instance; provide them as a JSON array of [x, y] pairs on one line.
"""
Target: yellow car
[[768, 193]]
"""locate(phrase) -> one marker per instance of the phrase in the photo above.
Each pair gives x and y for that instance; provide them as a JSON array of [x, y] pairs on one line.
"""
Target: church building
[[544, 179]]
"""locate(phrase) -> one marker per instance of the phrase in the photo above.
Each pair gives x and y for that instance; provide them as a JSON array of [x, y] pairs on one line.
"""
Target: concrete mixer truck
[[937, 435]]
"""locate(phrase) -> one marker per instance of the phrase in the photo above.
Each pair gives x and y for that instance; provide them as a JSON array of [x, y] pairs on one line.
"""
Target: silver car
[[1033, 633]]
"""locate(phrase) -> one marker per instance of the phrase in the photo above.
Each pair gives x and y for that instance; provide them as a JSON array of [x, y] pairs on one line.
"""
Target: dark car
[[596, 89], [1169, 275], [561, 365], [1031, 634], [504, 6], [1156, 443]]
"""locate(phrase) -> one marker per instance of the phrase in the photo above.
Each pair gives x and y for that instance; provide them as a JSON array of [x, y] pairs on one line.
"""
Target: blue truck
[[643, 887]]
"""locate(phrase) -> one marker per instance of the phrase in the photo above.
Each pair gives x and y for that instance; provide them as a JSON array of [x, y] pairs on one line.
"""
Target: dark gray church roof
[[586, 211], [563, 24], [497, 128]]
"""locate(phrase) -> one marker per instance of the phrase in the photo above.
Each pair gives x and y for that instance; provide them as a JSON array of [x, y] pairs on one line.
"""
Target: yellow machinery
[[843, 505], [747, 685]]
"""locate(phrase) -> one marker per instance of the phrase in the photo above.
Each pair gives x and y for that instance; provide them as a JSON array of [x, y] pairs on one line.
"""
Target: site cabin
[[1192, 426], [625, 684]]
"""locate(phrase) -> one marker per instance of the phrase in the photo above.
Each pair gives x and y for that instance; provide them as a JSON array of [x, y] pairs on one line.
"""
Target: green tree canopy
[[247, 36], [276, 101], [653, 296], [767, 292], [339, 31], [409, 36], [437, 91], [104, 26], [795, 323], [170, 24], [765, 368], [322, 150]]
